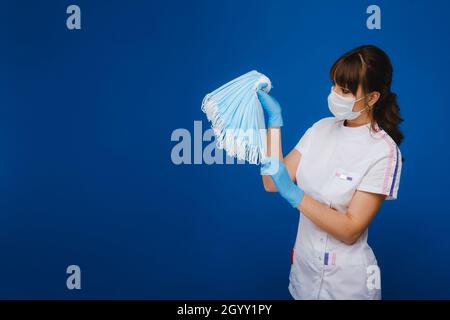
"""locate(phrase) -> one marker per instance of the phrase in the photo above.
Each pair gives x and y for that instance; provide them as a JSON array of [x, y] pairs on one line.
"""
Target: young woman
[[338, 176]]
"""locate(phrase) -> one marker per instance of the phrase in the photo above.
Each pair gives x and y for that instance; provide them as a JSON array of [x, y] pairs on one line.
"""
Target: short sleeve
[[304, 142], [384, 175]]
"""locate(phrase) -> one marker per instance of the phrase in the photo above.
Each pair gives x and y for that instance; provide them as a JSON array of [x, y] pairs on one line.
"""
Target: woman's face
[[342, 91]]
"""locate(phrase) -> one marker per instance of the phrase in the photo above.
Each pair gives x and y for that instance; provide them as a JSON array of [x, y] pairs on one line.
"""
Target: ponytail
[[386, 113]]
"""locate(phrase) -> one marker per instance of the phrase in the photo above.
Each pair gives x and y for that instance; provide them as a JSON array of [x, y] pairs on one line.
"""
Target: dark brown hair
[[370, 67]]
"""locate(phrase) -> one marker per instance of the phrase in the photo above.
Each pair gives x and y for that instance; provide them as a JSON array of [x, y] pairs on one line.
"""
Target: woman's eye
[[345, 91]]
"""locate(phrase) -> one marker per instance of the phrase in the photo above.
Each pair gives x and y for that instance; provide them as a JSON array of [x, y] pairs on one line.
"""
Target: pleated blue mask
[[342, 107]]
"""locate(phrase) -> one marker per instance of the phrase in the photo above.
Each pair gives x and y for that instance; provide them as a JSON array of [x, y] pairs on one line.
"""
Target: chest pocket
[[341, 186]]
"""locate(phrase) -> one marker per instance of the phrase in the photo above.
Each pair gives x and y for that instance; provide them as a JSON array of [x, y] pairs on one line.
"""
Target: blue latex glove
[[286, 187], [271, 107]]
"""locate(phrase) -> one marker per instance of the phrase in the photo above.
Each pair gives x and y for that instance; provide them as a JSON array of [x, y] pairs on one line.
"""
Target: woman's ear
[[373, 98]]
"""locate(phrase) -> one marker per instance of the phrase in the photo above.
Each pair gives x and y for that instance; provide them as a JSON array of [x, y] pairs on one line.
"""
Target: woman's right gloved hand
[[275, 168], [271, 107]]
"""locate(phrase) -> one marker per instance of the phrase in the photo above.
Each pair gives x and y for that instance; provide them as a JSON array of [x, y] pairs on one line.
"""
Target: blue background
[[86, 119]]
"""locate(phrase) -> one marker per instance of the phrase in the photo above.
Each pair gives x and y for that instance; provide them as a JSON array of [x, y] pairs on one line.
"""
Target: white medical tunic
[[336, 161]]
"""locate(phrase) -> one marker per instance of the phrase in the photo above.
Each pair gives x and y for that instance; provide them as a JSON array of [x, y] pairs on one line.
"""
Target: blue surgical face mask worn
[[342, 107]]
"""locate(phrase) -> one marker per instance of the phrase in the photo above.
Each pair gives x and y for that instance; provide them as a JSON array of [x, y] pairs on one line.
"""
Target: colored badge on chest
[[343, 176], [329, 258]]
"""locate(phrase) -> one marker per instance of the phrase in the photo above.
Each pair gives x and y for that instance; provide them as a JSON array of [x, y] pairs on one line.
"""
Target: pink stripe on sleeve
[[391, 162]]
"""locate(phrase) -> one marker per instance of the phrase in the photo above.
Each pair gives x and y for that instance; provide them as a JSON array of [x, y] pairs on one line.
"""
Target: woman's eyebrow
[[336, 84], [344, 88]]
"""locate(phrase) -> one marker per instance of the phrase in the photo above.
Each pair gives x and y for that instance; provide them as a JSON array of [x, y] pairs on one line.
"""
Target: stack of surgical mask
[[237, 117]]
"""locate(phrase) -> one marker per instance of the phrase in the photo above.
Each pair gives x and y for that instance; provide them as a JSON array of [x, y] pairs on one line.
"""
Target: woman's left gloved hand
[[275, 168], [271, 107]]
